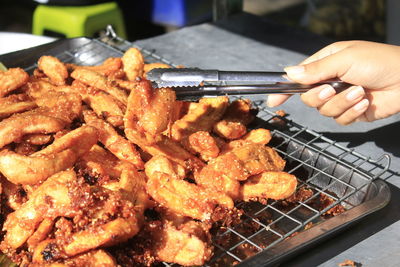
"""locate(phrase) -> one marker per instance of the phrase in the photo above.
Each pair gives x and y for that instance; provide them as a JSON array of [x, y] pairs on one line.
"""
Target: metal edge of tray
[[26, 57], [320, 232]]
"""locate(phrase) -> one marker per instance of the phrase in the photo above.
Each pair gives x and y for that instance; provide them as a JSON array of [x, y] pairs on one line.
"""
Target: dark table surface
[[246, 42]]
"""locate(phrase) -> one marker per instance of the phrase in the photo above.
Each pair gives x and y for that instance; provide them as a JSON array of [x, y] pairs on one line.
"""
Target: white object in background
[[12, 41]]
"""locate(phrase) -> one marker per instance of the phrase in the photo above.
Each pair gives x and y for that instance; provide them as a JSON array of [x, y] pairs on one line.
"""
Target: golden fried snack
[[186, 243], [269, 185], [37, 139], [164, 165], [100, 163], [25, 148], [132, 184], [127, 85], [30, 122], [54, 69], [32, 170], [149, 110], [108, 234], [108, 136], [79, 140], [165, 146], [200, 117], [92, 258], [146, 117], [65, 106], [49, 200], [257, 158], [107, 221], [224, 172], [56, 157], [99, 81], [36, 88], [203, 143], [133, 64], [12, 79], [13, 195], [236, 118], [257, 136], [185, 198], [15, 104], [40, 233], [105, 105], [109, 67]]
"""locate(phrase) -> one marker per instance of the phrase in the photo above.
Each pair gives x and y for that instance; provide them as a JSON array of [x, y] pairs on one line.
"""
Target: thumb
[[332, 66]]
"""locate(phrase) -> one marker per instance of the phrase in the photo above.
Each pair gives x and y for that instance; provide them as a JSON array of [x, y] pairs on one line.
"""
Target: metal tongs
[[197, 83]]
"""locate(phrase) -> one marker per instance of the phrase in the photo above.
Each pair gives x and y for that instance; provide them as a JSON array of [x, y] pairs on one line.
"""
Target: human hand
[[373, 67]]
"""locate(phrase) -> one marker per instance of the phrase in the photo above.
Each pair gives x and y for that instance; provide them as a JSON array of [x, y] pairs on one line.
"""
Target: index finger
[[327, 51]]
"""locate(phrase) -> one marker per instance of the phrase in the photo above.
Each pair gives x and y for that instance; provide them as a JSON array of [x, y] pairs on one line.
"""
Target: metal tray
[[347, 177]]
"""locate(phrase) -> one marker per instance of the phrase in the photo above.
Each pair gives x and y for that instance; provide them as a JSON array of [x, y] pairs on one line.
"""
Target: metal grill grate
[[321, 165]]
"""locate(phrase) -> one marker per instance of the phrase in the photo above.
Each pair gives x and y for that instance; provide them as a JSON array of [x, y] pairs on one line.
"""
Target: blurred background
[[336, 19]]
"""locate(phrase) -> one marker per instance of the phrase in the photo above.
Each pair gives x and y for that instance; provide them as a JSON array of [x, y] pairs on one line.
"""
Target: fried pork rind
[[180, 196], [13, 195], [60, 155], [164, 165], [103, 217], [65, 106], [200, 117], [149, 110], [269, 185], [37, 139], [133, 64], [92, 258], [54, 69], [108, 136], [15, 104], [36, 121], [203, 143], [49, 200], [236, 118], [11, 80], [224, 172], [257, 136], [109, 67], [182, 241], [40, 233], [99, 81], [145, 120], [185, 198], [105, 105]]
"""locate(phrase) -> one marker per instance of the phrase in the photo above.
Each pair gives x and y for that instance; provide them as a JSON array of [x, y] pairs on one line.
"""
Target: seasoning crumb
[[278, 121], [350, 263]]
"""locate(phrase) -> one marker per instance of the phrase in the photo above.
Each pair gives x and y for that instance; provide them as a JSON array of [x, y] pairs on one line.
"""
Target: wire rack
[[320, 164]]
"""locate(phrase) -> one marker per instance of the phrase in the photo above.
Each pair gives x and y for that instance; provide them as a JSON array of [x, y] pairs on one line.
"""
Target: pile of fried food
[[93, 156]]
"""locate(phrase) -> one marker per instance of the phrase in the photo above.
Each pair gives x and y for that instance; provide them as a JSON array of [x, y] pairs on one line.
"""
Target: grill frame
[[301, 145]]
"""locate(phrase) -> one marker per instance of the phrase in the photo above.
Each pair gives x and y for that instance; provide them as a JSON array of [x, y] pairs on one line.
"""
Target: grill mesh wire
[[322, 164]]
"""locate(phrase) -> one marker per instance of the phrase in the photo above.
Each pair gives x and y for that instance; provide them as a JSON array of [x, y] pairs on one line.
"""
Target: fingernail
[[355, 93], [295, 70], [326, 92], [362, 105]]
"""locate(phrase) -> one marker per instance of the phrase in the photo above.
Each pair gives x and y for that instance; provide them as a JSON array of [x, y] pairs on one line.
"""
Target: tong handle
[[250, 89]]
